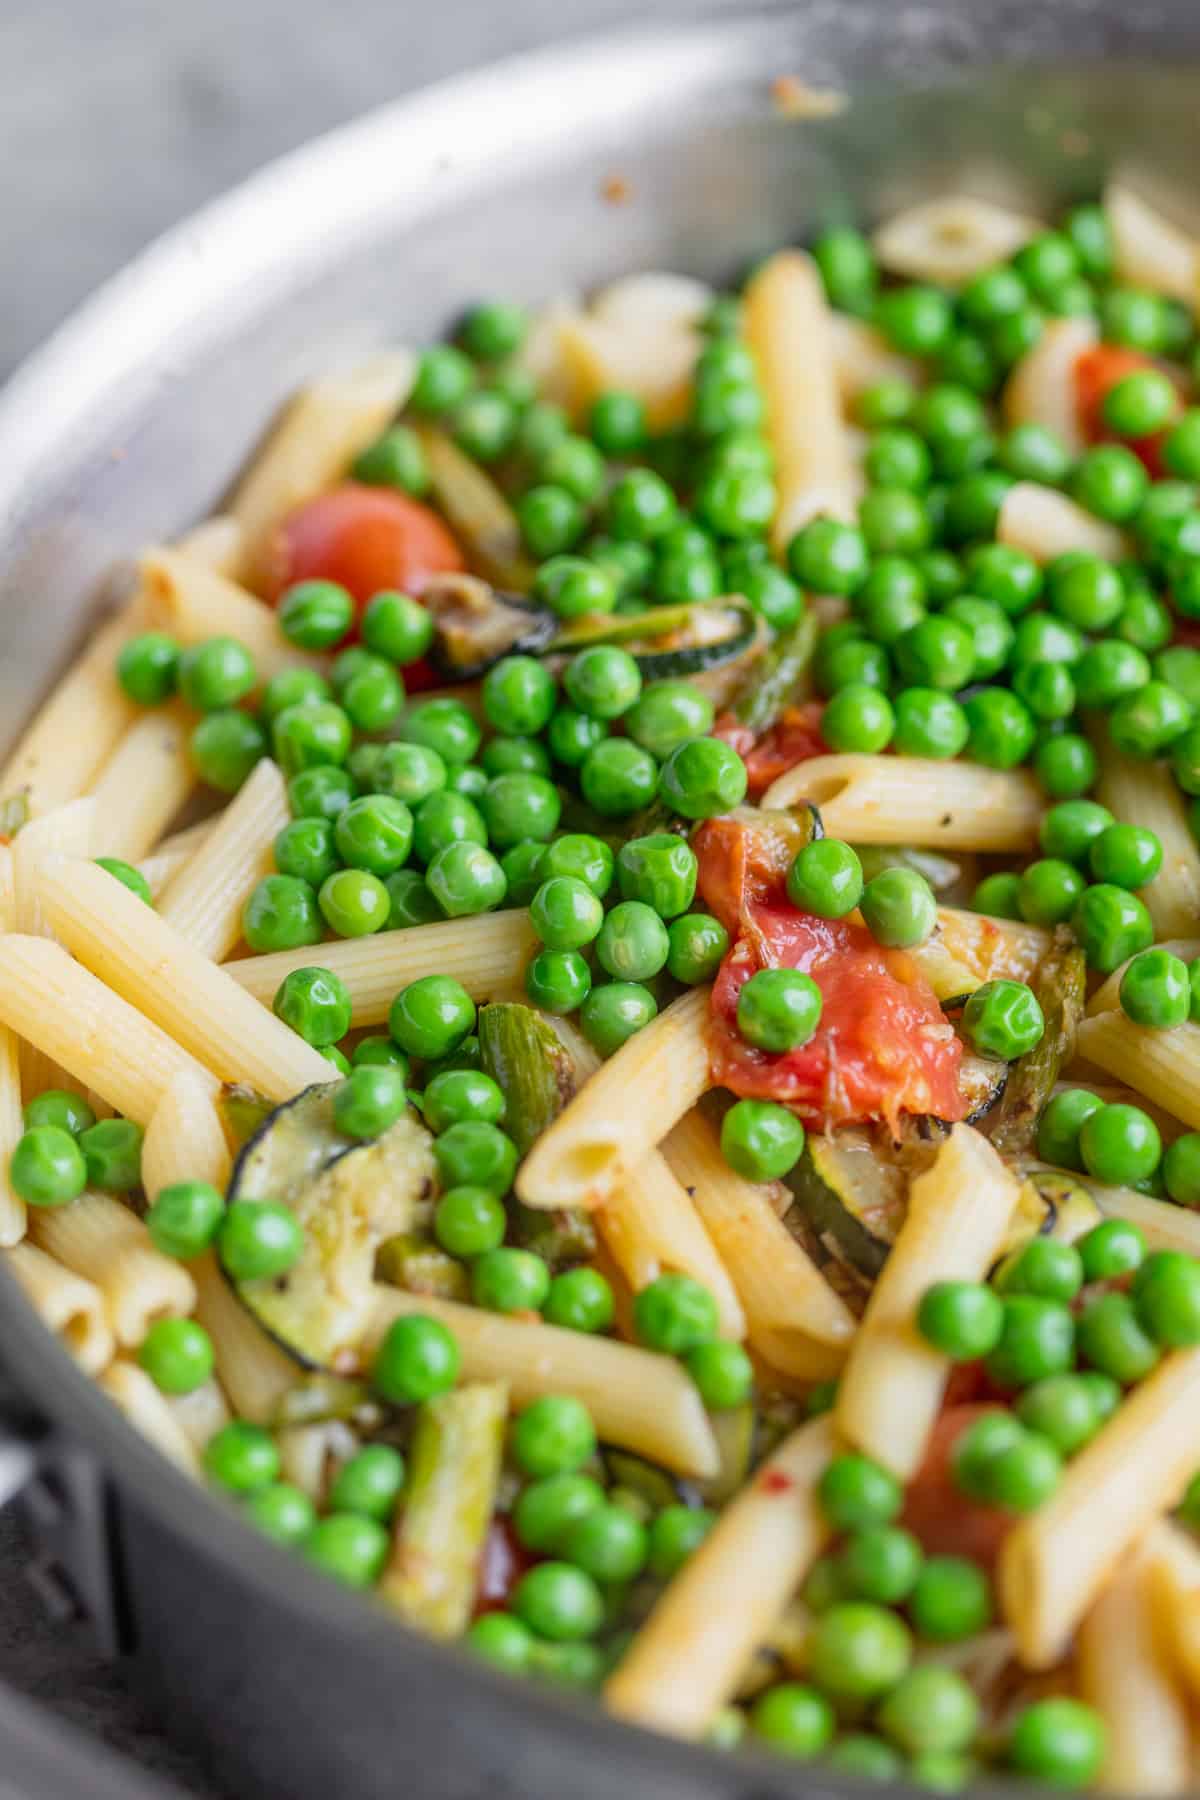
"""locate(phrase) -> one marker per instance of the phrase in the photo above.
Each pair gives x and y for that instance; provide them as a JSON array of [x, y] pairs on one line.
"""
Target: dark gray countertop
[[115, 120]]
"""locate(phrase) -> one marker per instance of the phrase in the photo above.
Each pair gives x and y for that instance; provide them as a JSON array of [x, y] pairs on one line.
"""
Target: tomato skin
[[794, 738], [1096, 372], [937, 1512], [502, 1563], [367, 539]]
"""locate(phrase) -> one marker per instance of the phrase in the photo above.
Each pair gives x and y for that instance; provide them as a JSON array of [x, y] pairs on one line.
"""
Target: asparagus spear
[[477, 512], [454, 1468], [773, 682], [1060, 984]]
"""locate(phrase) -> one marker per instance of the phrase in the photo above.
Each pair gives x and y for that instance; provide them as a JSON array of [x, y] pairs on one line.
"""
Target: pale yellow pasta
[[1046, 524], [165, 861], [654, 362], [638, 1399], [1148, 249], [863, 357], [12, 1124], [1174, 1563], [67, 1304], [184, 1140], [204, 901], [66, 830], [193, 602], [948, 239], [651, 1226], [487, 953], [104, 1241], [1164, 1225], [252, 1369], [77, 728], [958, 1215], [653, 298], [309, 1453], [127, 944], [1042, 389], [626, 1108], [318, 436], [147, 780], [100, 1039], [794, 1318], [912, 800], [1107, 996], [200, 1414], [687, 1660], [133, 1393], [787, 326], [1163, 1065], [217, 542], [1125, 1675], [1055, 1561], [1139, 792]]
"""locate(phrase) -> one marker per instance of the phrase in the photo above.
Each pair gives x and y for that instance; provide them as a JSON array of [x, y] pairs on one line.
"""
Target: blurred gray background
[[116, 118]]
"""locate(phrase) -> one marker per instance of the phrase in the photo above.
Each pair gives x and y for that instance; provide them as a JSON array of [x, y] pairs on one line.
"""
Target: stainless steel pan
[[134, 418]]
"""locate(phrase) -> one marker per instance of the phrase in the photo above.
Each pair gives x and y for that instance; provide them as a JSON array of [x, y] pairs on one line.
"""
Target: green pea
[[469, 1221], [395, 460], [565, 913], [1148, 722], [445, 818], [1112, 925], [409, 901], [899, 908], [1037, 1338], [548, 1508], [1033, 452], [522, 866], [897, 458], [1120, 1144], [258, 1239], [696, 945], [761, 1140], [851, 661], [514, 756], [1166, 1294], [1058, 1740], [1000, 728], [582, 856], [281, 1512], [929, 723], [674, 1314], [47, 1167], [617, 422], [320, 793], [826, 878], [309, 735], [443, 725], [857, 1651], [893, 520], [1065, 764], [916, 319], [640, 506], [315, 614], [846, 264], [571, 734], [1114, 1247], [465, 879], [224, 748], [963, 1319], [603, 681], [950, 1601], [354, 903], [856, 1492], [350, 1548], [558, 1602], [632, 944], [938, 652], [778, 1009], [858, 718], [128, 876], [1060, 1124], [793, 1719], [998, 895], [242, 1458], [930, 1710], [215, 673], [177, 1354], [879, 1563], [668, 714], [1156, 990], [340, 1061], [702, 777], [371, 1099], [1113, 1340], [889, 401], [828, 557], [676, 1534], [580, 1300], [185, 1217], [370, 1483], [444, 376], [417, 1360], [864, 1757], [59, 1107], [1023, 1476], [112, 1150], [1181, 1169], [508, 1281], [431, 1017], [558, 981], [473, 1153], [148, 667], [1048, 891], [281, 914], [1061, 1409], [611, 1014], [315, 1003]]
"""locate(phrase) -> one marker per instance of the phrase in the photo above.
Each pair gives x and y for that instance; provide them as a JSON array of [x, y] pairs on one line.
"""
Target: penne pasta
[[65, 830], [1055, 1562], [650, 1225], [627, 1107], [794, 1319], [133, 1393], [193, 602], [1139, 792], [655, 362], [948, 239], [200, 1414], [1046, 524], [12, 1123], [1163, 1065], [251, 1367], [100, 1039], [1042, 388], [320, 433], [204, 901], [958, 1215], [165, 862], [638, 1399], [77, 728], [486, 954], [1173, 1560], [217, 542], [1149, 250], [137, 953], [184, 1139], [1164, 1225], [145, 782], [687, 1660], [67, 1304], [1125, 1674], [863, 357], [104, 1241], [908, 800], [787, 326]]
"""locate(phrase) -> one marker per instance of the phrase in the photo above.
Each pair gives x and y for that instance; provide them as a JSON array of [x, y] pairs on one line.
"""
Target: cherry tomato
[[1098, 370], [792, 739]]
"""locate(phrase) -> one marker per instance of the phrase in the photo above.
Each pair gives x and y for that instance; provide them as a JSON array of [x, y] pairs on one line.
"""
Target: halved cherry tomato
[[367, 539], [936, 1510], [1098, 370], [794, 738]]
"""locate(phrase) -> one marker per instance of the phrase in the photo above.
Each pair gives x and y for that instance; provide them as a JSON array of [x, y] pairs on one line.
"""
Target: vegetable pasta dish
[[600, 996]]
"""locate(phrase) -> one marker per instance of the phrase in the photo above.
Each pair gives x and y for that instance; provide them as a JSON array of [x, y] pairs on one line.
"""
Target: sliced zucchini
[[475, 625], [1052, 1203], [244, 1110], [349, 1197], [652, 1485], [735, 1432], [852, 1195], [1060, 984]]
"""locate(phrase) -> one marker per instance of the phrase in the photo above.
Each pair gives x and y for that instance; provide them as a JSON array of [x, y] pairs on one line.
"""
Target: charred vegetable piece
[[719, 631], [243, 1110], [476, 511], [1060, 986], [645, 1479], [1052, 1203], [775, 679], [851, 1196], [735, 1432], [349, 1197], [454, 1468], [475, 625], [411, 1261], [982, 1082]]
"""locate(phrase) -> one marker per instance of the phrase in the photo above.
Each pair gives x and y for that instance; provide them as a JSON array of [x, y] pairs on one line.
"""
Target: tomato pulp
[[1096, 372], [794, 738]]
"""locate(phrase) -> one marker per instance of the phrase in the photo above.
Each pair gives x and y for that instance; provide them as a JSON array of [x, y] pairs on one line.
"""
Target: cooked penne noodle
[[252, 1369], [1164, 1225], [184, 1139], [1042, 388], [67, 1304], [165, 862], [950, 238], [204, 902], [1054, 1563], [133, 1393], [787, 326], [655, 362], [100, 1039], [1046, 524], [650, 1226], [102, 1239], [12, 1124], [1173, 1558], [217, 542], [136, 952], [66, 830], [1139, 792], [1124, 1673], [1163, 1065], [200, 1414], [76, 729], [486, 953], [958, 1216], [147, 780], [638, 1399], [686, 1661], [1150, 251], [791, 1310], [626, 1108], [193, 602], [863, 357], [910, 800], [1107, 996], [320, 433]]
